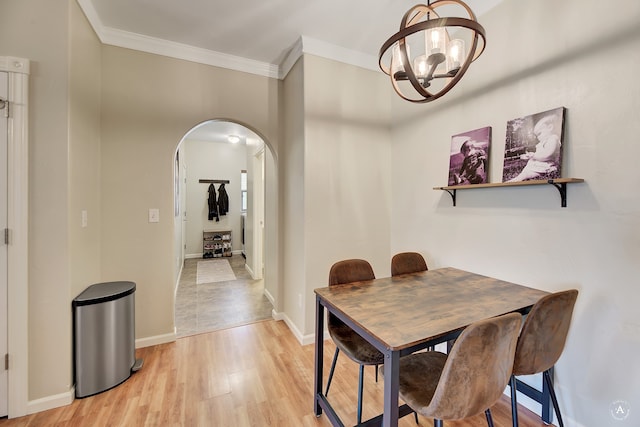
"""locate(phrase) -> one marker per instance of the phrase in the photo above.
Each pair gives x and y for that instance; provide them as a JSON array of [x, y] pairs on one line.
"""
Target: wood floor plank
[[250, 376]]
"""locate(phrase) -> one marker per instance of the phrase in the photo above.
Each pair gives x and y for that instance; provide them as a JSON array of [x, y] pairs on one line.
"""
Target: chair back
[[477, 369], [407, 262], [544, 333], [350, 270], [347, 271]]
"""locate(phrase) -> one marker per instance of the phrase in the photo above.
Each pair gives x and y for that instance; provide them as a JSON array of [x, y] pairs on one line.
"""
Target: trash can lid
[[103, 292]]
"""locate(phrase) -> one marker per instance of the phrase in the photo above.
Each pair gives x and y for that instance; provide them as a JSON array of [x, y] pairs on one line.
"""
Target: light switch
[[154, 215], [84, 219]]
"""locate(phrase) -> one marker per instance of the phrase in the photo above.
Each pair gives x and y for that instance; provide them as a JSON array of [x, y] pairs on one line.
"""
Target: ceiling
[[252, 36], [262, 31]]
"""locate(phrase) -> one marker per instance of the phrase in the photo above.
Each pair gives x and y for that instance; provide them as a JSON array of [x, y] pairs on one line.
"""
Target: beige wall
[[39, 31], [116, 172], [83, 179], [327, 123], [291, 159], [347, 173], [537, 60], [149, 104]]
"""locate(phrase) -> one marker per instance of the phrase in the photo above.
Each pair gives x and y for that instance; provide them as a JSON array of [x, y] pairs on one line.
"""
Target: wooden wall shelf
[[560, 184]]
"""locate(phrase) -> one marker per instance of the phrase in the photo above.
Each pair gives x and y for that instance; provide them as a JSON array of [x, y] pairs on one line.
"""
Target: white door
[[4, 108]]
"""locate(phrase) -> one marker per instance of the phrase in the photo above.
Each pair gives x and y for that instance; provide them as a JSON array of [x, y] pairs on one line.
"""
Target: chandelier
[[439, 61]]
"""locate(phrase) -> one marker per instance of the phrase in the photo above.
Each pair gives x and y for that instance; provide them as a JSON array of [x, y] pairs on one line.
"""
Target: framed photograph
[[533, 147], [469, 157]]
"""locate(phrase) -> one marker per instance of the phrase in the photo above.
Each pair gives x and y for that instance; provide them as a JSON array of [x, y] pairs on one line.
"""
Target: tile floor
[[213, 306]]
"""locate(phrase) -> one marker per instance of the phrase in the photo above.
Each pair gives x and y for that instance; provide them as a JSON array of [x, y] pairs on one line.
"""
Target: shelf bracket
[[453, 195], [562, 189]]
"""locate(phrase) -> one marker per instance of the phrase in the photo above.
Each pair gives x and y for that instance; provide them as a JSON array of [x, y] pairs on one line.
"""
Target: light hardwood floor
[[208, 307], [253, 375]]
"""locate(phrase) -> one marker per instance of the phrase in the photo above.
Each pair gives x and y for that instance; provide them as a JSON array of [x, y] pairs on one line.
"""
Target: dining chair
[[346, 339], [541, 343], [468, 380], [407, 262]]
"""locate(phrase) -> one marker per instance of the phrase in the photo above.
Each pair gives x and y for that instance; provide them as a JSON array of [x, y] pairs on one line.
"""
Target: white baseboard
[[271, 299], [155, 340], [51, 402], [302, 339], [249, 270]]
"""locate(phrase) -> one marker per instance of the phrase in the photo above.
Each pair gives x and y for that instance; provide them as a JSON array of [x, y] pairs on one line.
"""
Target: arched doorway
[[207, 159]]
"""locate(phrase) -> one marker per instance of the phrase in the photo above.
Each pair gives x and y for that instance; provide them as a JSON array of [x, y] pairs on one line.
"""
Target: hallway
[[213, 306]]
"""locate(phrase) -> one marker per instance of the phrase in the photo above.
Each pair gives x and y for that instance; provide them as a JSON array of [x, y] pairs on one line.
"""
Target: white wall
[[543, 54], [212, 160]]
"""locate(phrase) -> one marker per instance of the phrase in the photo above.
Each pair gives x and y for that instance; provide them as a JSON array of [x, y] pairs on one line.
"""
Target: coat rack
[[213, 181]]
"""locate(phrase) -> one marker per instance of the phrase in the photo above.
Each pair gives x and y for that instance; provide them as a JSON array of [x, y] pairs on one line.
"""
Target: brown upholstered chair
[[346, 339], [541, 343], [467, 381], [407, 262]]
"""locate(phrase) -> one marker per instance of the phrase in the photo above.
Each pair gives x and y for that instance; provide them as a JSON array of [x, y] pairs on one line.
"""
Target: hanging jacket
[[223, 200], [213, 205]]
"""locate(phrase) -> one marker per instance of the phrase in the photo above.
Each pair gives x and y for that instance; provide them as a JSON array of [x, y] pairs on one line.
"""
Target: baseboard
[[276, 315], [249, 270], [155, 340], [302, 339], [270, 298], [51, 402], [191, 256]]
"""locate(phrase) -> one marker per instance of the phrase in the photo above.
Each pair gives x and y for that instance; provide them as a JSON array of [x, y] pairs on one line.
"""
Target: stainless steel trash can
[[104, 336]]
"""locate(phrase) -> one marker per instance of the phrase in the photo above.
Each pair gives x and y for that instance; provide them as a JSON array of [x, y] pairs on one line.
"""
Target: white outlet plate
[[85, 219], [154, 215]]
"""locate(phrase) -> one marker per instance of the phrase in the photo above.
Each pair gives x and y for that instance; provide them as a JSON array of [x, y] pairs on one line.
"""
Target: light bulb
[[435, 40], [456, 54]]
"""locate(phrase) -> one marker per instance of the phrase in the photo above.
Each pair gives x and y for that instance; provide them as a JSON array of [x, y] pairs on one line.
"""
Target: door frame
[[17, 223]]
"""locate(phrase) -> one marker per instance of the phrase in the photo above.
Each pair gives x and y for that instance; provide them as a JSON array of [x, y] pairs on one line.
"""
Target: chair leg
[[333, 366], [376, 373], [415, 414], [437, 423], [514, 402], [487, 414], [554, 399], [360, 387]]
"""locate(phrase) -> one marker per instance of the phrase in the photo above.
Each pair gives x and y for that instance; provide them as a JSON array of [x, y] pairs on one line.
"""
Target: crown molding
[[171, 49], [304, 45], [189, 53], [337, 53], [289, 61]]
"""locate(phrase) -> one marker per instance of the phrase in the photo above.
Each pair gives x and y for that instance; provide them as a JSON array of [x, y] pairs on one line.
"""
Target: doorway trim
[[17, 223]]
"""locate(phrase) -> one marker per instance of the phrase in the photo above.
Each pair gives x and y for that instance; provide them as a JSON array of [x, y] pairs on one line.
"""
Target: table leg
[[319, 350], [391, 382]]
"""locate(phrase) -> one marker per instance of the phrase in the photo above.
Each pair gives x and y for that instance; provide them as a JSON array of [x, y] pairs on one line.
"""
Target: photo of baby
[[533, 147]]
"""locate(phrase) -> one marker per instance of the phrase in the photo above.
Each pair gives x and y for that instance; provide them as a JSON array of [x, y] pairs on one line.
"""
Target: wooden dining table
[[403, 314]]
